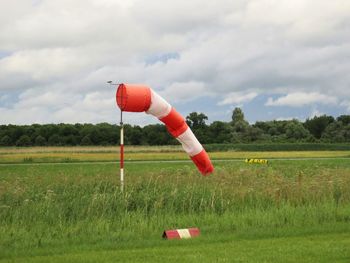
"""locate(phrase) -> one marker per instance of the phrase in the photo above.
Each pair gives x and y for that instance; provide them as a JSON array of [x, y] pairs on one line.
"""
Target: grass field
[[139, 153], [287, 211]]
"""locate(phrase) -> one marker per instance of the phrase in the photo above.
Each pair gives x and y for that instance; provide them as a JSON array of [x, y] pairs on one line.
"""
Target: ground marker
[[181, 233]]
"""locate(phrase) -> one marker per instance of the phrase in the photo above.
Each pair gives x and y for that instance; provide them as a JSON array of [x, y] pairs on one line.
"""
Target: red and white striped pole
[[121, 140], [121, 152]]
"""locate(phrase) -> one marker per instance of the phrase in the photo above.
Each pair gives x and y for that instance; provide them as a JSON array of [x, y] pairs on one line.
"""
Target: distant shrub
[[40, 141], [5, 141], [54, 140], [24, 140], [86, 141]]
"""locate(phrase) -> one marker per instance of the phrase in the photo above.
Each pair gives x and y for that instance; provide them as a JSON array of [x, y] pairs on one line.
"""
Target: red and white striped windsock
[[139, 98]]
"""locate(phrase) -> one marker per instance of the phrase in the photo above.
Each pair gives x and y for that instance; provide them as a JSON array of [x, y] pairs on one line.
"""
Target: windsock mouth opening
[[133, 97], [121, 96]]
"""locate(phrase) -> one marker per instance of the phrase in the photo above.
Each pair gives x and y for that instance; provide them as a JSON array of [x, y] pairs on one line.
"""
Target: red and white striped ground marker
[[181, 233]]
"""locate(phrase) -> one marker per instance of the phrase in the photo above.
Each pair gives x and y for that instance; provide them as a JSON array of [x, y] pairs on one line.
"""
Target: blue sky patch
[[8, 99], [4, 54], [164, 58]]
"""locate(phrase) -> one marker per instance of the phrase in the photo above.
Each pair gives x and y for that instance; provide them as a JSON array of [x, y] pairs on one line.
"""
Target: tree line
[[317, 129]]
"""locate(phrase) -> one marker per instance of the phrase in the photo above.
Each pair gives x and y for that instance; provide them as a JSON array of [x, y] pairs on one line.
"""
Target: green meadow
[[56, 209]]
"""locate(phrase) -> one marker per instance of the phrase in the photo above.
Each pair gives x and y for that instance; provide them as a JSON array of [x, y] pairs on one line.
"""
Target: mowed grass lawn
[[306, 248], [287, 211]]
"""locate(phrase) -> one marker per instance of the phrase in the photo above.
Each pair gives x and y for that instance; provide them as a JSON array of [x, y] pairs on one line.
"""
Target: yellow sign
[[258, 161]]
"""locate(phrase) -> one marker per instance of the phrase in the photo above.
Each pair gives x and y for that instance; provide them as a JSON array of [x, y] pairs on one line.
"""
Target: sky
[[276, 59]]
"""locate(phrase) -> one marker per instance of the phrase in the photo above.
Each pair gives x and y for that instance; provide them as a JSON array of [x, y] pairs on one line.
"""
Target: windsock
[[139, 98]]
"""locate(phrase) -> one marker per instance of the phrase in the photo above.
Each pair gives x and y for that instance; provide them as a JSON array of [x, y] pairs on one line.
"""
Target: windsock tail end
[[203, 163]]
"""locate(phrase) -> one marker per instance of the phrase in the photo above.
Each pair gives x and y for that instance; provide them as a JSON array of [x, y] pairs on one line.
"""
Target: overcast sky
[[277, 59]]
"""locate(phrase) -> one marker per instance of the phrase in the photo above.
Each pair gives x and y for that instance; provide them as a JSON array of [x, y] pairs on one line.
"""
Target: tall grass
[[37, 211]]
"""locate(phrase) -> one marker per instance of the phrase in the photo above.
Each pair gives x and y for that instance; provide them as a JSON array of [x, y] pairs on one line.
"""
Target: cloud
[[238, 98], [300, 99], [45, 64], [185, 91], [182, 49], [162, 58], [286, 118]]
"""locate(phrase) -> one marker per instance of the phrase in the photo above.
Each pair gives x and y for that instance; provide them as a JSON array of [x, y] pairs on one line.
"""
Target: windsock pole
[[121, 147], [121, 140], [121, 152]]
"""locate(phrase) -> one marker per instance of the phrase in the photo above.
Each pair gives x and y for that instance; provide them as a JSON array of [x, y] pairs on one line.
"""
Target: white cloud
[[184, 91], [300, 99], [238, 98], [302, 14], [48, 99], [286, 118], [69, 49]]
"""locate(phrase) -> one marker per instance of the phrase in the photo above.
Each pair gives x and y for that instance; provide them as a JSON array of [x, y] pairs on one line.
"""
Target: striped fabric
[[181, 233], [138, 98]]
